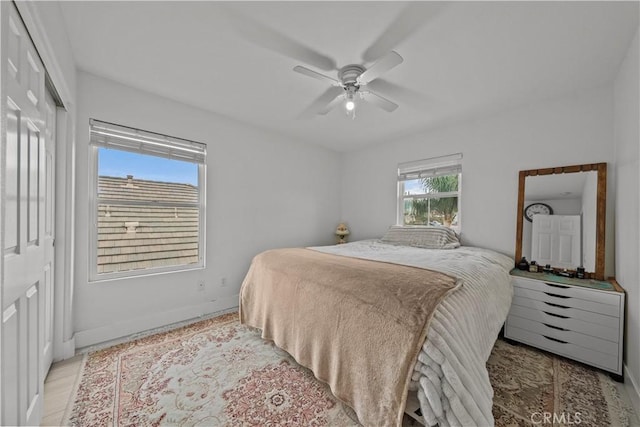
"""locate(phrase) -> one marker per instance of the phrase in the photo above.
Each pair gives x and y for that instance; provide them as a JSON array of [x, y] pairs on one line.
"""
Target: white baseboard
[[65, 350], [116, 330], [632, 386], [69, 348]]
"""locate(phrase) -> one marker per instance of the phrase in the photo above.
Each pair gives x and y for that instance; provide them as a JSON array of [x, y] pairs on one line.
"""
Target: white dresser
[[577, 322]]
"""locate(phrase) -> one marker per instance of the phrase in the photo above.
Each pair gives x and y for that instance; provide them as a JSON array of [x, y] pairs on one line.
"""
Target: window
[[147, 200], [429, 191]]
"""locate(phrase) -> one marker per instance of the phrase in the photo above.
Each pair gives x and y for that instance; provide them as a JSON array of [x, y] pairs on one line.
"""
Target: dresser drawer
[[566, 301], [601, 297], [609, 332], [564, 335], [610, 322], [591, 357]]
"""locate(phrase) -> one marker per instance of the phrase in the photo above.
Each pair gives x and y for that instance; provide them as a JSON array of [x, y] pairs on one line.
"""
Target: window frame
[[94, 203], [429, 166]]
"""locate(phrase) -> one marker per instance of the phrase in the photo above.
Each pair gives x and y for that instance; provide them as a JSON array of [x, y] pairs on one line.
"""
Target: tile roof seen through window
[[132, 237]]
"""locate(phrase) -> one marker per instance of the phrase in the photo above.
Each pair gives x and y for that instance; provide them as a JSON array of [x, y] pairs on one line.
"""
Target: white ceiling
[[556, 187], [467, 59]]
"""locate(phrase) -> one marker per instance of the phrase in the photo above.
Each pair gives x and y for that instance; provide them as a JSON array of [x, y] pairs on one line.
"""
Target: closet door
[[49, 231], [24, 280]]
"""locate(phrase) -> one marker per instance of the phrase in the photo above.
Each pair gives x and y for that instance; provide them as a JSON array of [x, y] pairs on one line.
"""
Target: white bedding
[[450, 374]]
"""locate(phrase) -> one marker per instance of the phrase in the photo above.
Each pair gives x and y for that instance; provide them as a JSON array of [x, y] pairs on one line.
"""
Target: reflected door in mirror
[[556, 240]]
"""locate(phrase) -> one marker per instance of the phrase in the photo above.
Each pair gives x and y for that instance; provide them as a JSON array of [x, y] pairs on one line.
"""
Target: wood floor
[[62, 377], [58, 387]]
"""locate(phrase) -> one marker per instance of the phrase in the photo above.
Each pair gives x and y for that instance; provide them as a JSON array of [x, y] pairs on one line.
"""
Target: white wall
[[570, 130], [263, 192], [627, 194]]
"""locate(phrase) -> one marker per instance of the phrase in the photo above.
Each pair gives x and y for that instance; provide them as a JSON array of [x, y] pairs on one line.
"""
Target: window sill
[[126, 275]]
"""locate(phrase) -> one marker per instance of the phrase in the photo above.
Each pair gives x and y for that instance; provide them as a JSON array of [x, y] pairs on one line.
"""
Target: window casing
[[145, 224], [429, 192]]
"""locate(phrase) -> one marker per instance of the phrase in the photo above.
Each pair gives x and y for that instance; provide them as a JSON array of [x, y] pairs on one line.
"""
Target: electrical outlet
[[201, 285], [223, 282]]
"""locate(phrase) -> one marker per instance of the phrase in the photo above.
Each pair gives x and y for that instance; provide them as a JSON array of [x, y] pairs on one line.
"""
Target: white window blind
[[437, 166], [109, 135]]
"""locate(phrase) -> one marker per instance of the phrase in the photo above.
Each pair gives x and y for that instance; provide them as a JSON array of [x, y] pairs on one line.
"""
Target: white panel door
[[542, 238], [24, 277], [49, 230], [569, 240], [555, 240]]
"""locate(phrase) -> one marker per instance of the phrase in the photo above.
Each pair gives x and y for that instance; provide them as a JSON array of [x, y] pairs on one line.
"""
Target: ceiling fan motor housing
[[349, 74]]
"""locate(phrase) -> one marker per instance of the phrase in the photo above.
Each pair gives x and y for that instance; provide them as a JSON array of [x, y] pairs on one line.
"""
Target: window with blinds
[[148, 199], [429, 191]]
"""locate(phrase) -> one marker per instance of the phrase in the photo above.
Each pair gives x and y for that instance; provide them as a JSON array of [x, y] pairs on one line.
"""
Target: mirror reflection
[[559, 226]]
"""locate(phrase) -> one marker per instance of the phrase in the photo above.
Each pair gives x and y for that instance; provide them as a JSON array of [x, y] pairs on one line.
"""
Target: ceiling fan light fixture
[[350, 100], [350, 105]]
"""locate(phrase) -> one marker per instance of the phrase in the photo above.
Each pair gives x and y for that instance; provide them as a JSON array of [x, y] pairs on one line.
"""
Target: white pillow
[[430, 237]]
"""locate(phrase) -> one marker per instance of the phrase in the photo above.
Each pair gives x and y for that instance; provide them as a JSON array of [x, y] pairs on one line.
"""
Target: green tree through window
[[444, 207]]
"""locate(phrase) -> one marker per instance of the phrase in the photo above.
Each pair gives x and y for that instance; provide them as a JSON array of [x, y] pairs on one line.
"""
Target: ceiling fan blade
[[405, 95], [410, 19], [269, 38], [330, 106], [324, 102], [307, 72], [380, 67], [379, 101]]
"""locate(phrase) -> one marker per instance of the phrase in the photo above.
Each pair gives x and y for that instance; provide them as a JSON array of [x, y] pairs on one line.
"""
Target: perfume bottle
[[580, 274], [523, 264], [533, 267]]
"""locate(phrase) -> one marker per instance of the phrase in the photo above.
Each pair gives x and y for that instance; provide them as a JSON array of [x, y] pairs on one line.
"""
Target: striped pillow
[[422, 237]]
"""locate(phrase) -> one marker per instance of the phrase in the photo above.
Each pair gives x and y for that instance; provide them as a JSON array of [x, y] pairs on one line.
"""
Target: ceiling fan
[[354, 82], [351, 85]]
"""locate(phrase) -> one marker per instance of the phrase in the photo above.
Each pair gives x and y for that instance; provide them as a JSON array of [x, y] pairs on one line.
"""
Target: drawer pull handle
[[556, 295], [556, 315], [554, 327], [555, 305], [556, 340], [557, 286]]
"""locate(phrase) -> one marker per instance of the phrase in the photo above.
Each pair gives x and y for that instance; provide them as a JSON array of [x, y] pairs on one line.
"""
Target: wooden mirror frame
[[601, 207]]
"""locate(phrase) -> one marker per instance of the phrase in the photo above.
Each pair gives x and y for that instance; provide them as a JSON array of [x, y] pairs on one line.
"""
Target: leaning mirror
[[561, 217]]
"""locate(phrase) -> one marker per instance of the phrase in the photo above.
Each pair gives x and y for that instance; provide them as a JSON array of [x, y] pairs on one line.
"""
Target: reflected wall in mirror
[[565, 224]]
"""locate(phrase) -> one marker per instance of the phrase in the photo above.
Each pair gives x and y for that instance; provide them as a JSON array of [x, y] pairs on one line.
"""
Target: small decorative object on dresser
[[523, 264], [342, 232]]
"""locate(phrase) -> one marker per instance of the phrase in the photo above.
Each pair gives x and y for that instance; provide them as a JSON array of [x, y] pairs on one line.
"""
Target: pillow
[[422, 237]]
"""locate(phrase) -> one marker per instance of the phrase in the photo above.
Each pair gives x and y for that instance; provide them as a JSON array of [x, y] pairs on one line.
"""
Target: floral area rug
[[219, 373], [211, 373], [534, 388]]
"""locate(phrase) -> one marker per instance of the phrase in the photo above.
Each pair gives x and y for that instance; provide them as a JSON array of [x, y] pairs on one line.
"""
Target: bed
[[439, 346]]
